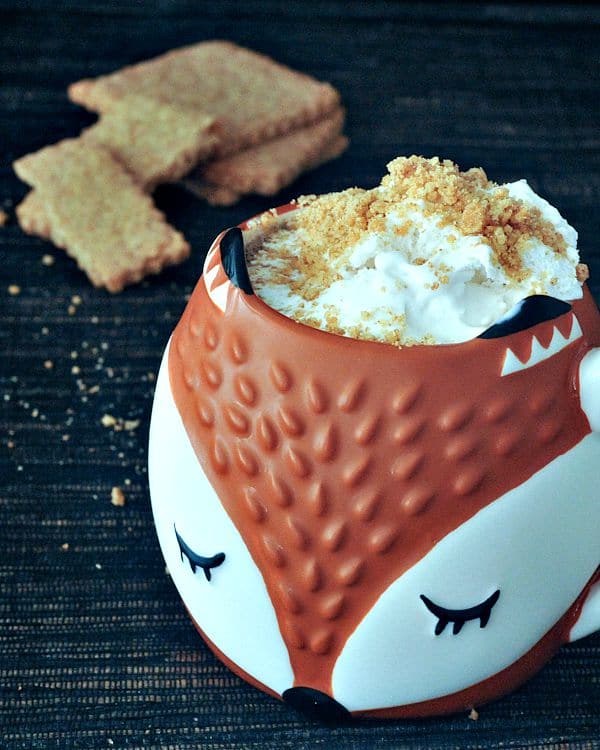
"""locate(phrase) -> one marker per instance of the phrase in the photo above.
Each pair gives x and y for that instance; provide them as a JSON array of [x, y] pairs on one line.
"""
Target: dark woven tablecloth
[[96, 650]]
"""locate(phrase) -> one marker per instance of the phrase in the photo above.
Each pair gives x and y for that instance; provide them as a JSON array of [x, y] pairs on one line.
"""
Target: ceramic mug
[[364, 529]]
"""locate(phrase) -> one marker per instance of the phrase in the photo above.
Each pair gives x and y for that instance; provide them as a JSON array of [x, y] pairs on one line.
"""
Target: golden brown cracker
[[31, 214], [155, 142], [266, 168], [273, 175], [253, 96], [96, 211], [216, 195]]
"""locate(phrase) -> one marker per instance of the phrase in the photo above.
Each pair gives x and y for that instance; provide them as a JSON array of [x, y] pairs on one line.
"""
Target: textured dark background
[[95, 648]]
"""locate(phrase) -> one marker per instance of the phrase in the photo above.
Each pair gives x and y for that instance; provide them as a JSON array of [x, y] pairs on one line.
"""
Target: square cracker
[[266, 168], [219, 195], [32, 216], [155, 142], [86, 203], [254, 97]]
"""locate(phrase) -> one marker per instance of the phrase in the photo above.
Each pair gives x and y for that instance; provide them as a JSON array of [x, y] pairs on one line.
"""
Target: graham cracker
[[32, 217], [269, 179], [254, 97], [88, 204], [266, 168], [155, 142], [215, 195]]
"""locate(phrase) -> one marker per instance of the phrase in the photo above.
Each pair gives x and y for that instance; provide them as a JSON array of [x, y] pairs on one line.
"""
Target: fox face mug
[[364, 529]]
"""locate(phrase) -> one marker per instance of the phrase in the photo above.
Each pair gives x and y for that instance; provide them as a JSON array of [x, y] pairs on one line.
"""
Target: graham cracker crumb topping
[[475, 205], [311, 246], [330, 224]]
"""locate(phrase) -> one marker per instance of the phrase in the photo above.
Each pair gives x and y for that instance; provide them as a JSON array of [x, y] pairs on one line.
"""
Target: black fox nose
[[315, 704]]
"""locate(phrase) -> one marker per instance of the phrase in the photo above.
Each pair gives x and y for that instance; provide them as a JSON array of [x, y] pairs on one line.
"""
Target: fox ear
[[526, 314], [233, 259], [589, 616]]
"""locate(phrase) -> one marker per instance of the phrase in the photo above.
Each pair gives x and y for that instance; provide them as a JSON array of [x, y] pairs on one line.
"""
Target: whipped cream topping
[[418, 277]]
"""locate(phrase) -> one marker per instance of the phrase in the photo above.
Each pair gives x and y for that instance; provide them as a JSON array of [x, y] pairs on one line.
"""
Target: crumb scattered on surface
[[48, 364], [64, 547], [473, 715], [118, 423], [117, 497], [48, 260], [14, 289], [3, 218]]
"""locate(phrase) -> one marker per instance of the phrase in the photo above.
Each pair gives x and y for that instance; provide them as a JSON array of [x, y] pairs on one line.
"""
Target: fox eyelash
[[458, 617], [199, 561]]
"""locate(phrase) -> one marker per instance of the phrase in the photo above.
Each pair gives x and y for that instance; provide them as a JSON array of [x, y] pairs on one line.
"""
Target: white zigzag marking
[[538, 352], [218, 292]]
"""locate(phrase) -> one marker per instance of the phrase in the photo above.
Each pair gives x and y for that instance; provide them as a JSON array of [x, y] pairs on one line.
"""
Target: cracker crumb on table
[[117, 497]]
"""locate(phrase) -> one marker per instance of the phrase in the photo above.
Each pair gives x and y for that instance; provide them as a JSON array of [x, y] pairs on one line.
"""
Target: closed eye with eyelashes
[[199, 561], [459, 617]]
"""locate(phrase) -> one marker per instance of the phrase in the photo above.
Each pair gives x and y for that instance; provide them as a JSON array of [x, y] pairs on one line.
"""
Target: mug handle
[[589, 394], [589, 387], [589, 617]]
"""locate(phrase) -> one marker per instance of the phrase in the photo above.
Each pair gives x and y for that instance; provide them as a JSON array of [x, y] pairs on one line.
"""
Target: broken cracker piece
[[95, 210], [254, 97], [155, 142], [220, 195], [117, 497]]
